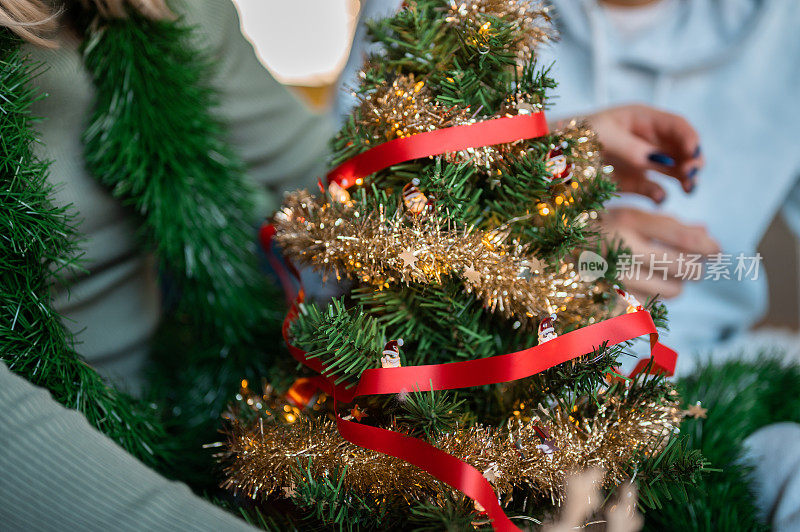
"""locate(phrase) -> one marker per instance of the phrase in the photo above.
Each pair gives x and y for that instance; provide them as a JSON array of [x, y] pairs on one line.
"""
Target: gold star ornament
[[696, 411], [408, 258], [472, 275]]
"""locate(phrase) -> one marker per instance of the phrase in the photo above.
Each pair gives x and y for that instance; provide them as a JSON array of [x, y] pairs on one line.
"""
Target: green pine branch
[[429, 414], [347, 341], [741, 397], [449, 514], [326, 500], [449, 186], [668, 474], [438, 323], [415, 40]]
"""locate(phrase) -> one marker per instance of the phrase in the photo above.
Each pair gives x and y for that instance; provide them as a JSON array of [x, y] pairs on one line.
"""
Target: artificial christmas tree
[[459, 217]]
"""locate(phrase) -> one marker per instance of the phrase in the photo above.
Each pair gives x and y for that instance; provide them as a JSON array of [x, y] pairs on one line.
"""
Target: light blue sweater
[[732, 67]]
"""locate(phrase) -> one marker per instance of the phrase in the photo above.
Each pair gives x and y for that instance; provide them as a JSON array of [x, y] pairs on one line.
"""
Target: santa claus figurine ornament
[[413, 198], [633, 303], [557, 166], [391, 354], [546, 330]]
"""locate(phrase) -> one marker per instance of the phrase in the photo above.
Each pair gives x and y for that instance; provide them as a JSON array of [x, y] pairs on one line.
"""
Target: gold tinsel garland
[[405, 108], [264, 458], [385, 249], [531, 21]]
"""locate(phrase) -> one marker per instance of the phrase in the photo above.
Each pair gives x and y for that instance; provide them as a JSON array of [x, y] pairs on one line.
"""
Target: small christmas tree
[[460, 248]]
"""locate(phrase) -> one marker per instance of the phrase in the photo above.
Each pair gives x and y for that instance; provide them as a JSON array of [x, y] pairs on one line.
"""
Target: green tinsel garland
[[741, 397], [153, 140], [37, 241]]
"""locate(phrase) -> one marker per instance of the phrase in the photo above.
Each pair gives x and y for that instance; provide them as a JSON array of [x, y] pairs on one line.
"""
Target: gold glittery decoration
[[531, 21], [386, 249], [262, 458], [584, 154], [584, 150], [407, 107], [269, 406]]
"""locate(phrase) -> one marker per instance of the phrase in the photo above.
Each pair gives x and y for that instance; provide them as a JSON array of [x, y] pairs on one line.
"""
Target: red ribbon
[[487, 133], [498, 369]]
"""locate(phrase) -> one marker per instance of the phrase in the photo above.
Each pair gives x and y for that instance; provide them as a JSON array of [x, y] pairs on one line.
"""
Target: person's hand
[[637, 138], [661, 244]]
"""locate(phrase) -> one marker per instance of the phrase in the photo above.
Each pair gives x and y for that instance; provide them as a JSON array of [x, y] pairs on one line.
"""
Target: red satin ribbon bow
[[498, 369]]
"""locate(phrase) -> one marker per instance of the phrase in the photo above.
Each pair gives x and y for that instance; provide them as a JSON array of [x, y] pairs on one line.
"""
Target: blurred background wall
[[305, 45]]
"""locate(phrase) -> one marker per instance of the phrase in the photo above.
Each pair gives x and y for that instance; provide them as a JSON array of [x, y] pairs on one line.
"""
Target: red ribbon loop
[[445, 467], [487, 133], [509, 367]]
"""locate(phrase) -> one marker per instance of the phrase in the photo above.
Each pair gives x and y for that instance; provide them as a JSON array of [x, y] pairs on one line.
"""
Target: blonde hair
[[35, 20]]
